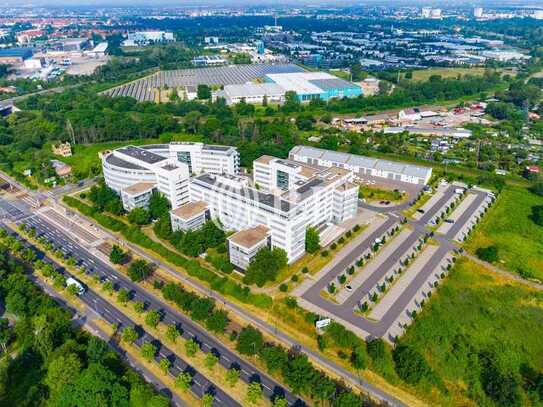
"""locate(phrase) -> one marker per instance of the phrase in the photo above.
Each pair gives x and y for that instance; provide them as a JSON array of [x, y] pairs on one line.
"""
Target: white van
[[72, 281]]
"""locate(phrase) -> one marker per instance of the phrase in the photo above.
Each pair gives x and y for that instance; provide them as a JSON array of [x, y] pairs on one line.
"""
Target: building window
[[282, 180], [184, 157]]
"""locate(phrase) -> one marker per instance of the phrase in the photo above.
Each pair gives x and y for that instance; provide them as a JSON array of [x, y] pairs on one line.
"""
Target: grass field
[[424, 74], [508, 227], [473, 312], [372, 194]]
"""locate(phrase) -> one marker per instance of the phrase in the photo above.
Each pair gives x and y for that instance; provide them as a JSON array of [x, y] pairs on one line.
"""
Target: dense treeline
[[45, 361]]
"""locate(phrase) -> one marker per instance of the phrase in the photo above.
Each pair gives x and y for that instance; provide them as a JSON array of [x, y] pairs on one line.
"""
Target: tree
[[280, 402], [207, 400], [254, 393], [152, 318], [265, 266], [139, 270], [275, 358], [410, 364], [148, 351], [183, 381], [292, 102], [250, 341], [158, 205], [203, 92], [299, 373], [139, 307], [357, 74], [123, 296], [97, 350], [489, 254], [537, 214], [359, 358], [232, 376], [62, 371], [172, 333], [323, 388], [312, 240], [139, 216], [165, 365], [210, 360], [191, 347], [218, 321], [95, 386], [347, 399], [537, 188], [117, 255], [129, 335]]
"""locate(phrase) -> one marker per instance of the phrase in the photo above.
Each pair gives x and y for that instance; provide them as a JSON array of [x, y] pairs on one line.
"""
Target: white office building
[[327, 197], [131, 165], [253, 93], [168, 166], [190, 216], [361, 165]]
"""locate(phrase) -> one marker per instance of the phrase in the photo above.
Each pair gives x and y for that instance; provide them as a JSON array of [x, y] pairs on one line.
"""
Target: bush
[[488, 254], [324, 253], [283, 288], [411, 365], [139, 270]]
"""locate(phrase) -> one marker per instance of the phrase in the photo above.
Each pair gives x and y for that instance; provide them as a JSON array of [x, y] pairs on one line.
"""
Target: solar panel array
[[146, 89]]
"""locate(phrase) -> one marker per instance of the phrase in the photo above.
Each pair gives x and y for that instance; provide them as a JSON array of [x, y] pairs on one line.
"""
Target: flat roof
[[254, 90], [264, 159], [141, 154], [139, 188], [250, 237], [361, 161], [190, 210], [119, 162]]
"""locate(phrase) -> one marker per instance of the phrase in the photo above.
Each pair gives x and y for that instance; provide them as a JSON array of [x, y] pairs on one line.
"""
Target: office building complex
[[360, 165], [168, 166], [190, 216], [326, 197], [245, 244]]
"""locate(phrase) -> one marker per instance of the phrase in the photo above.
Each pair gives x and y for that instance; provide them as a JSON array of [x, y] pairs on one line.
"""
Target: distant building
[[62, 149], [11, 56], [478, 12], [144, 38], [74, 44], [260, 49], [62, 169], [538, 14], [245, 244], [34, 63], [504, 56], [361, 165], [315, 85], [425, 12], [254, 93], [209, 60], [24, 37], [211, 40]]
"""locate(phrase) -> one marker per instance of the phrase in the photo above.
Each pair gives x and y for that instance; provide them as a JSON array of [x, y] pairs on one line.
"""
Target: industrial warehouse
[[252, 83]]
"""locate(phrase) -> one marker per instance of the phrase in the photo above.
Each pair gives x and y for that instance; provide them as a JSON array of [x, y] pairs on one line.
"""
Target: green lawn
[[85, 161], [476, 312], [424, 74], [508, 227], [379, 194]]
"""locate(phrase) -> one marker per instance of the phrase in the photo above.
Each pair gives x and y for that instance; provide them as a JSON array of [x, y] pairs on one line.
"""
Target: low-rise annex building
[[190, 216], [245, 244], [137, 195]]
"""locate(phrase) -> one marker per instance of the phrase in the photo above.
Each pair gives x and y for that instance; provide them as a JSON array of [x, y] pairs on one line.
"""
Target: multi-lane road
[[171, 316]]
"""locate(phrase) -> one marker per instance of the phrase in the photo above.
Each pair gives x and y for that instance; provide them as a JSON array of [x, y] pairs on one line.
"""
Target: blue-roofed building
[[315, 85], [11, 56]]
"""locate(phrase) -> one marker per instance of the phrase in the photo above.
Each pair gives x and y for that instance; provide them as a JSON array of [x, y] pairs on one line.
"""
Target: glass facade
[[282, 180]]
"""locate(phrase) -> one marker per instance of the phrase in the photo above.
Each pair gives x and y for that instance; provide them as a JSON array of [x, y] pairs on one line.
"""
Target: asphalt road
[[200, 384], [208, 343]]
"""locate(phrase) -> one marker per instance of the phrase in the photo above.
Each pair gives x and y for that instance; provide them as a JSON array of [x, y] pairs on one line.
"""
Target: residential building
[[11, 56], [361, 165], [144, 38], [61, 169], [137, 195], [62, 149], [190, 216], [245, 244]]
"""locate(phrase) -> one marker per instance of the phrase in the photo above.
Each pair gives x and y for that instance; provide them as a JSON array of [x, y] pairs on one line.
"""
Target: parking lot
[[379, 298]]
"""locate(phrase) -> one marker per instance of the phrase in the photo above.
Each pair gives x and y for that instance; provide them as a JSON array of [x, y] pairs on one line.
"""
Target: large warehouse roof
[[309, 82]]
